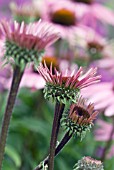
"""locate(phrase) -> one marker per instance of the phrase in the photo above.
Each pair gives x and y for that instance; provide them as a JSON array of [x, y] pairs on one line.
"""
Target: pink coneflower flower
[[102, 133], [102, 95], [95, 46], [25, 43], [26, 12], [95, 42], [65, 87], [88, 163], [64, 17], [79, 119]]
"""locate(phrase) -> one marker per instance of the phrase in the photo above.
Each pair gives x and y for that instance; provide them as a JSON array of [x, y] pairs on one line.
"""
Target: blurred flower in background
[[85, 40]]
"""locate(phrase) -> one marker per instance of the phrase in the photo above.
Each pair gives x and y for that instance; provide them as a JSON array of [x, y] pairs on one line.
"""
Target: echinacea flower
[[66, 87], [95, 43], [88, 163], [102, 95], [79, 119], [25, 12], [64, 17], [25, 43]]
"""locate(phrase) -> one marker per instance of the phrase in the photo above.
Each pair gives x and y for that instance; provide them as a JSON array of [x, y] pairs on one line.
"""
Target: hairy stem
[[17, 75], [61, 145], [59, 108], [108, 144]]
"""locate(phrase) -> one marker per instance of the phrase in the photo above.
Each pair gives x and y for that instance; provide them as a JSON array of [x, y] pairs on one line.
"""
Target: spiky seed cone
[[22, 56], [79, 118], [88, 163]]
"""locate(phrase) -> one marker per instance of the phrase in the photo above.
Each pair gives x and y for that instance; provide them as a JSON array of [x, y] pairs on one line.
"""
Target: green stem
[[17, 75], [108, 144], [59, 108], [61, 145]]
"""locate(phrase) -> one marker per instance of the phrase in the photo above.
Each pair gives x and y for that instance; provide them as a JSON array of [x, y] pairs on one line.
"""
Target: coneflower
[[62, 89], [23, 44], [88, 163], [66, 87], [79, 119]]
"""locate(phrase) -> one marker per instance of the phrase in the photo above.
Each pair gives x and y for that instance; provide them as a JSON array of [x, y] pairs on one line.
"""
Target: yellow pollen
[[64, 17]]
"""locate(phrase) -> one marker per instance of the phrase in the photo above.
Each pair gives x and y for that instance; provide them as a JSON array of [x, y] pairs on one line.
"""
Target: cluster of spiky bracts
[[22, 55], [79, 118], [25, 43], [65, 87], [88, 163]]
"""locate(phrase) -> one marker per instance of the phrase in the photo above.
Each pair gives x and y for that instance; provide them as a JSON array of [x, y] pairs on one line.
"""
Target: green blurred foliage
[[29, 135]]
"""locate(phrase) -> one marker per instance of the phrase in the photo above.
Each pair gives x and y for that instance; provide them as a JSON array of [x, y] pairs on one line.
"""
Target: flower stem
[[17, 75], [61, 145], [108, 144], [59, 108]]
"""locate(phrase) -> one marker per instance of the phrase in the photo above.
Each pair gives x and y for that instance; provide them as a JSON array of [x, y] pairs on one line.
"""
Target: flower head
[[25, 12], [26, 43], [65, 18], [79, 118], [88, 163], [66, 87]]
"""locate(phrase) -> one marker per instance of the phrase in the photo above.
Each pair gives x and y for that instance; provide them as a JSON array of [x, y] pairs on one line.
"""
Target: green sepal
[[21, 55], [74, 128], [60, 93]]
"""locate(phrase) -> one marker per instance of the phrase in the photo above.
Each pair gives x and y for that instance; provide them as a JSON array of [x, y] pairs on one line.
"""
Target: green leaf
[[13, 154], [32, 124]]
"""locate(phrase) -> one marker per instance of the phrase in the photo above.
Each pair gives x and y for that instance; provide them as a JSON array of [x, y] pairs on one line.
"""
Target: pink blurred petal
[[110, 110], [32, 80], [104, 104], [100, 97], [103, 131], [103, 13]]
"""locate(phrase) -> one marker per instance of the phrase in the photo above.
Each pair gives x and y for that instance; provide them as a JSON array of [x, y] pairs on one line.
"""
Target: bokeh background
[[89, 42]]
